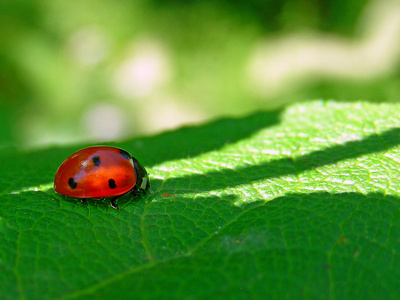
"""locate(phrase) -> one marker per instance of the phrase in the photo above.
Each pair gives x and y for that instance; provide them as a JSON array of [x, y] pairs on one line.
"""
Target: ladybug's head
[[142, 178]]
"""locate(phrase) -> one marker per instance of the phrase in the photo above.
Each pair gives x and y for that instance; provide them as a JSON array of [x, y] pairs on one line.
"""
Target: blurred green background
[[92, 71]]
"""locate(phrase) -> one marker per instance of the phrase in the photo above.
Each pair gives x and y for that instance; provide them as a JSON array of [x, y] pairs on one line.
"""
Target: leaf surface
[[296, 203]]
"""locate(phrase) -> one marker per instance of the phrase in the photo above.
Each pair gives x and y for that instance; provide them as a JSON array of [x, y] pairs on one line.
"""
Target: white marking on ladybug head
[[144, 183]]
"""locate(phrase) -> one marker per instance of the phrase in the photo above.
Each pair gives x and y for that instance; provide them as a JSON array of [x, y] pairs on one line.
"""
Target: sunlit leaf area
[[94, 71]]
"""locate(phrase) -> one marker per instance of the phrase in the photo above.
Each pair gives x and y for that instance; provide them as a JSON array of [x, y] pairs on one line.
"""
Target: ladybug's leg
[[83, 200], [134, 191], [113, 204]]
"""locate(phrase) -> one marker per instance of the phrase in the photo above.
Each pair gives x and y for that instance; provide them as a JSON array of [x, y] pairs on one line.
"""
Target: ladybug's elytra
[[99, 172]]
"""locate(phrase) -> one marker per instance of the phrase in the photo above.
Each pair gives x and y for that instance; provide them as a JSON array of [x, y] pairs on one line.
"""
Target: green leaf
[[298, 203]]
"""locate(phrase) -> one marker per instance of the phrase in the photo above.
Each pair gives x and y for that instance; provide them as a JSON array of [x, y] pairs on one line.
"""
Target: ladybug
[[99, 172]]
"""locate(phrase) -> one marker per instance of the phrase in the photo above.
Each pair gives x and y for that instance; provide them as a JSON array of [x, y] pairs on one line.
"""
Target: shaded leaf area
[[320, 245], [303, 203]]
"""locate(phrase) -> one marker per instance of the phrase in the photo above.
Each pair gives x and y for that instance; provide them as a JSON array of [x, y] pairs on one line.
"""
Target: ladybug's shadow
[[94, 202]]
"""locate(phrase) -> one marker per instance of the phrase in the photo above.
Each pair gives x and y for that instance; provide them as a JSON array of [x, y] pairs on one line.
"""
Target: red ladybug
[[99, 172]]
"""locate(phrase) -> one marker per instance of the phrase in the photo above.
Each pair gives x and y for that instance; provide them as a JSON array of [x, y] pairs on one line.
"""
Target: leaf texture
[[298, 203]]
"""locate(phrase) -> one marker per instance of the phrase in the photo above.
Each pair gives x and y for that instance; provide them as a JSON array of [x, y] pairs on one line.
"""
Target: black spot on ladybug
[[125, 154], [96, 160], [72, 183], [111, 183]]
